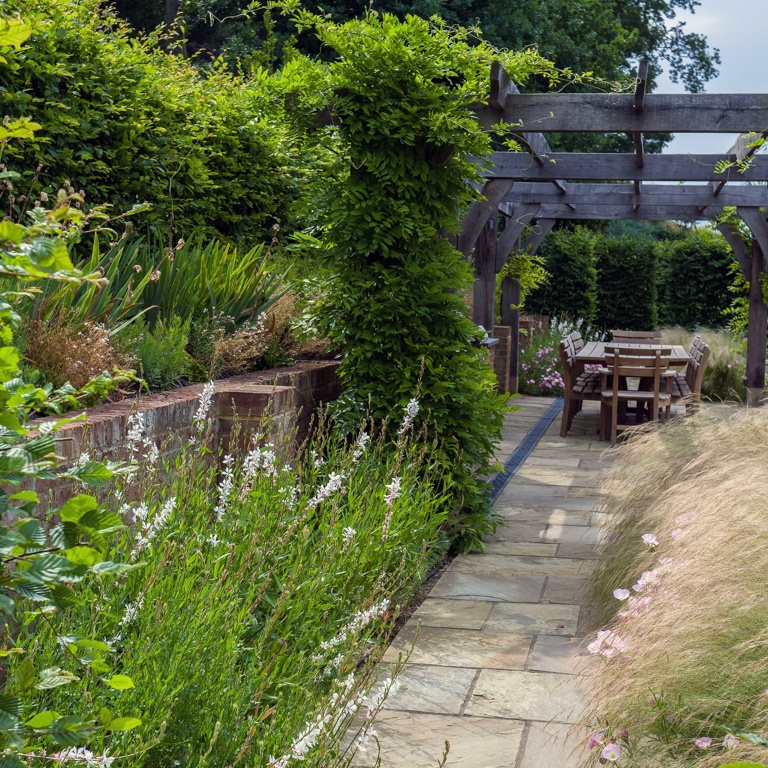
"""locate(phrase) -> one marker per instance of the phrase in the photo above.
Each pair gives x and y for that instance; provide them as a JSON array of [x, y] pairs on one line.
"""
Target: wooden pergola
[[540, 186]]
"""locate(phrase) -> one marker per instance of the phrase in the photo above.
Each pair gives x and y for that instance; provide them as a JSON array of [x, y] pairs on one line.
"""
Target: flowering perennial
[[411, 412]]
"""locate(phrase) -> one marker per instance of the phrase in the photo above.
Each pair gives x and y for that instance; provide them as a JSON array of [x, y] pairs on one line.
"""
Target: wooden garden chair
[[686, 386], [576, 340], [577, 387], [636, 337], [646, 365]]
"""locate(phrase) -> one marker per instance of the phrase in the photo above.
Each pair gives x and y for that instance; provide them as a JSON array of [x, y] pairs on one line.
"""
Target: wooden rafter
[[617, 212], [585, 166], [581, 193], [614, 112], [478, 215], [639, 106], [743, 148], [535, 143]]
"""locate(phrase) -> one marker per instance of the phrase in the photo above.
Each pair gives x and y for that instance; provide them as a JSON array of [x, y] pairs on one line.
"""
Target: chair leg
[[566, 419]]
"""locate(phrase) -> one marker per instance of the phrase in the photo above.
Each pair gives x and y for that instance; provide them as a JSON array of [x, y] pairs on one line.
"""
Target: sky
[[739, 28]]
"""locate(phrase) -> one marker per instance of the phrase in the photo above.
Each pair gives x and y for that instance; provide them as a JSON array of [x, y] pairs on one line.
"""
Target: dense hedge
[[626, 283], [126, 122], [694, 279], [569, 258]]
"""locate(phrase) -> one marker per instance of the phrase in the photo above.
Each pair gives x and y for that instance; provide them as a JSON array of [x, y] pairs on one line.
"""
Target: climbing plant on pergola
[[542, 186]]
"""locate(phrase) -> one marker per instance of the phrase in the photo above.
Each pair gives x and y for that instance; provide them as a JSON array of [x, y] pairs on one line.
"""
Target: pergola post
[[484, 302], [510, 315], [756, 331]]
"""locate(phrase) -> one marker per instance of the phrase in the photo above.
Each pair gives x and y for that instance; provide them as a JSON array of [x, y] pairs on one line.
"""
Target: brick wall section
[[501, 360], [290, 396]]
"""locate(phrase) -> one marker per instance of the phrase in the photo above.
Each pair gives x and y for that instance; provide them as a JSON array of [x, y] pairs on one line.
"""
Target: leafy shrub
[[694, 279], [688, 667], [127, 122], [405, 132], [162, 353], [569, 258], [626, 283], [266, 590]]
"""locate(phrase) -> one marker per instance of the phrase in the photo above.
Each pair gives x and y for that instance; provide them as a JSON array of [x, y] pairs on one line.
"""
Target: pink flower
[[621, 594], [646, 580], [607, 644], [677, 532], [730, 741], [612, 752], [650, 540], [596, 740], [703, 742]]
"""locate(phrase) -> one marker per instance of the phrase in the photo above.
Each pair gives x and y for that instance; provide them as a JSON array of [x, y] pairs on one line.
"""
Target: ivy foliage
[[128, 122], [403, 133]]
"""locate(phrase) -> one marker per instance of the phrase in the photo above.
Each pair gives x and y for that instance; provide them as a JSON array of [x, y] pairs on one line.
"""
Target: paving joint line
[[524, 450]]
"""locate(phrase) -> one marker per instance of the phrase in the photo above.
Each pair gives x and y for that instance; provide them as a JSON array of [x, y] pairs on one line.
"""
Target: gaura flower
[[703, 742]]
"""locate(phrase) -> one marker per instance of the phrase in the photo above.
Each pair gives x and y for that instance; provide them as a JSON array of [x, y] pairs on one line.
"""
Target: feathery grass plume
[[696, 658]]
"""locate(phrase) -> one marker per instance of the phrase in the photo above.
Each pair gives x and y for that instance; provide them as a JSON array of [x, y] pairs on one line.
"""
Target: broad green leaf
[[76, 507], [10, 232], [14, 32], [7, 604], [9, 363], [123, 724], [120, 682], [105, 716], [11, 704], [25, 496], [742, 764], [52, 569], [42, 719], [83, 556]]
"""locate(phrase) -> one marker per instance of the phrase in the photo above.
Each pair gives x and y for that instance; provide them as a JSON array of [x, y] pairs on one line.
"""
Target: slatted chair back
[[636, 337], [567, 356], [694, 372], [576, 340], [648, 366]]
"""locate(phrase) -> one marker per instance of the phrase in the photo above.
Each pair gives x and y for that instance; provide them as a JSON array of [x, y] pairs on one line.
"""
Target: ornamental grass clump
[[264, 589], [680, 593]]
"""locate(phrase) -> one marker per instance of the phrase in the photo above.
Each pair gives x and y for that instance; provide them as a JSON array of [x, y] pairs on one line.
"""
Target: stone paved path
[[497, 654]]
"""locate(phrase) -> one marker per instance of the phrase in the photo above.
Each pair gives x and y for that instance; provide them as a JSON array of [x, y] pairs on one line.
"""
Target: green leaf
[[29, 496], [14, 32], [42, 719], [105, 716], [83, 556], [10, 232], [24, 676], [9, 363], [11, 704], [7, 605], [123, 724], [76, 507], [742, 764], [54, 678], [120, 682]]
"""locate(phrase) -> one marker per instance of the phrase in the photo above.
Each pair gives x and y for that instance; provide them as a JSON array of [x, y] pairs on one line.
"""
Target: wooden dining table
[[593, 352]]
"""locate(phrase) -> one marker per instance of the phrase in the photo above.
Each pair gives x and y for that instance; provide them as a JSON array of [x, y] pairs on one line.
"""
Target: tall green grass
[[252, 630]]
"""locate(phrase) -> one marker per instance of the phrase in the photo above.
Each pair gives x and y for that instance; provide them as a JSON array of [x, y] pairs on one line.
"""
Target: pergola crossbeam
[[585, 166], [615, 113], [581, 193]]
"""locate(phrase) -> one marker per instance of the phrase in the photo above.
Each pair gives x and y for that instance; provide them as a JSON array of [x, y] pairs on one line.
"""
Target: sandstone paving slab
[[575, 492], [545, 515], [501, 546], [520, 532], [572, 534], [510, 587], [533, 619], [554, 476], [523, 565], [460, 648], [567, 655], [438, 690], [456, 614], [564, 590], [526, 696], [534, 491], [571, 462], [554, 745], [411, 740]]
